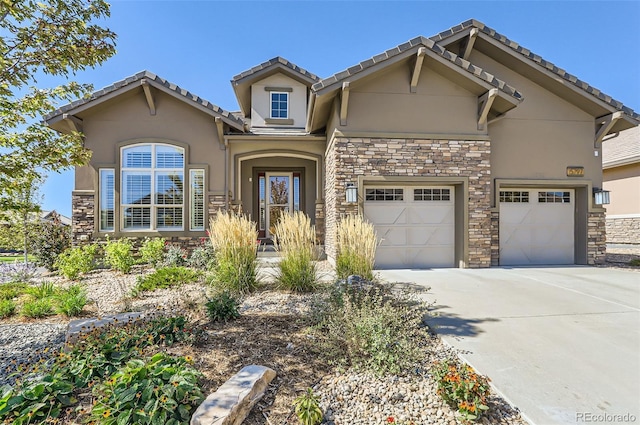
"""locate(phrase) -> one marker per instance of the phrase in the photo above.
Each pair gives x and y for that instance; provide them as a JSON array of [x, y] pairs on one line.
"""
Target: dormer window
[[279, 105]]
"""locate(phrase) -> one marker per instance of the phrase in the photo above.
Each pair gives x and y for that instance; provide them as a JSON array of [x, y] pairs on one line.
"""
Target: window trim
[[153, 173], [102, 196], [271, 93], [192, 209]]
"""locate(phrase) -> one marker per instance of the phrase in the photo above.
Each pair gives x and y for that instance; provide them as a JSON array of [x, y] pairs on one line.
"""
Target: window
[[431, 194], [152, 187], [279, 105], [107, 200], [383, 194], [514, 196], [554, 197], [196, 177]]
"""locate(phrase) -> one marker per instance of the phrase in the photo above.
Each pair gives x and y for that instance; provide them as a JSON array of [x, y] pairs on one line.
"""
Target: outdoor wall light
[[601, 196], [352, 193]]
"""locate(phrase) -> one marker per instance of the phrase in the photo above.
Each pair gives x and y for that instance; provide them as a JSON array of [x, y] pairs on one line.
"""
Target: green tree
[[54, 37]]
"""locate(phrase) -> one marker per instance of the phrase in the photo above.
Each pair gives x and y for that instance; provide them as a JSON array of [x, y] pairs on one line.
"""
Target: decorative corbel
[[344, 104], [484, 105], [74, 123], [606, 123], [467, 46], [422, 51], [149, 96], [220, 128]]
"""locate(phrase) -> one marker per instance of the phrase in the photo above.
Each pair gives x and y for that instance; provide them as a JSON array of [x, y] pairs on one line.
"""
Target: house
[[621, 176], [464, 149]]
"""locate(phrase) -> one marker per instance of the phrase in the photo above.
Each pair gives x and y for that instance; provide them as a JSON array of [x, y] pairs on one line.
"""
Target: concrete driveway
[[560, 343]]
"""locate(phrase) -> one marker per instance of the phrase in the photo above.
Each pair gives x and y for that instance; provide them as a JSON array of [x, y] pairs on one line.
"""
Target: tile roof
[[153, 77], [432, 46], [623, 149], [274, 61], [472, 23]]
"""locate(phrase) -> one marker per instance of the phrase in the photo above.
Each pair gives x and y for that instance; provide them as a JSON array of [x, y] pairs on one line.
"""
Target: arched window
[[152, 187]]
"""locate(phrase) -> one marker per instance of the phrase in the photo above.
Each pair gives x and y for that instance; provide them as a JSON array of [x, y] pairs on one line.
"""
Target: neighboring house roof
[[49, 215], [622, 150], [463, 28], [242, 82], [135, 81]]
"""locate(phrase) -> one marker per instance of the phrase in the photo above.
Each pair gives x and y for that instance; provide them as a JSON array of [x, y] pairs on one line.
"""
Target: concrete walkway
[[560, 343]]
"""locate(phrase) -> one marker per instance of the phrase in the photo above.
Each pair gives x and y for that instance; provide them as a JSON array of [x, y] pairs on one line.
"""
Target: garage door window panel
[[554, 197], [384, 194], [514, 196]]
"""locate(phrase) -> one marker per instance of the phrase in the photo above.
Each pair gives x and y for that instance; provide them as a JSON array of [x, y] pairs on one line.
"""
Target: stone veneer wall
[[320, 222], [596, 238], [83, 222], [495, 238], [623, 229], [349, 158]]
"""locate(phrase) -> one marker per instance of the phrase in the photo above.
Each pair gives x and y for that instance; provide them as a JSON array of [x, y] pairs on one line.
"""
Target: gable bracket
[[149, 96], [344, 104], [422, 51], [74, 123], [484, 105], [467, 45], [220, 129], [606, 123]]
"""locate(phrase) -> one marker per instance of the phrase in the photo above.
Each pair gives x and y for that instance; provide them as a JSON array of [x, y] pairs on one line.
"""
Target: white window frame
[[103, 197], [192, 199], [153, 172], [271, 93]]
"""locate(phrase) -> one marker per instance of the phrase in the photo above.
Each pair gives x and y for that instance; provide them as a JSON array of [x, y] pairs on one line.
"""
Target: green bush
[[635, 262], [166, 278], [307, 408], [152, 251], [7, 308], [462, 388], [118, 256], [37, 308], [9, 291], [71, 301], [356, 243], [234, 240], [175, 257], [160, 390], [295, 239], [51, 240], [203, 257], [222, 307], [371, 329], [44, 290], [75, 261]]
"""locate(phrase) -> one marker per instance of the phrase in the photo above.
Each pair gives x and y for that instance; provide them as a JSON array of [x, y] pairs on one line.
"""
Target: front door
[[279, 199]]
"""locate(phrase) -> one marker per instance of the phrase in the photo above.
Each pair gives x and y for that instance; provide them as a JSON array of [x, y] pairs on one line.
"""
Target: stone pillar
[[596, 238], [495, 238], [319, 222], [82, 217]]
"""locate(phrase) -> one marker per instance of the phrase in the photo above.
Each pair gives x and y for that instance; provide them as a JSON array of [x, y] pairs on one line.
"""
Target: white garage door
[[536, 226], [415, 225]]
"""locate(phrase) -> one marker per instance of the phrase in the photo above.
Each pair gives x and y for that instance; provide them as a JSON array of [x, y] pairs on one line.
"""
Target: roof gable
[[130, 83], [607, 103], [622, 150]]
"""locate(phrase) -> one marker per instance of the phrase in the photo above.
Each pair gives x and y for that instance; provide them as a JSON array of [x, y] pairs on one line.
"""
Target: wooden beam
[[344, 104], [417, 68], [606, 123], [484, 105], [220, 128], [149, 96], [74, 123], [468, 44]]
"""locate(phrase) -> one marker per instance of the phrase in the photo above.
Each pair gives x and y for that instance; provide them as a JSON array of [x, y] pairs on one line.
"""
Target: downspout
[[226, 174]]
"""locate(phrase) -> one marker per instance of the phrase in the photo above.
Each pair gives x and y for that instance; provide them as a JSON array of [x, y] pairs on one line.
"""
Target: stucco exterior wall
[[261, 102], [624, 184]]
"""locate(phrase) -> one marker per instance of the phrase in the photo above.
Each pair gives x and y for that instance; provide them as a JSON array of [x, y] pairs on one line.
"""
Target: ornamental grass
[[357, 242], [295, 239]]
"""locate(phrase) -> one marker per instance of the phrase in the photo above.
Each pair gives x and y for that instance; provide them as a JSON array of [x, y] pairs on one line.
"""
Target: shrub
[[37, 308], [203, 257], [356, 243], [222, 307], [9, 291], [635, 262], [373, 330], [295, 239], [166, 278], [118, 255], [160, 390], [75, 261], [71, 301], [44, 290], [7, 308], [49, 242], [307, 408], [462, 388], [233, 237], [175, 257], [152, 251], [18, 271]]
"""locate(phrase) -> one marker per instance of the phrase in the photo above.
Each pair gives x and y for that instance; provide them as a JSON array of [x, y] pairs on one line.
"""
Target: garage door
[[536, 226], [415, 225]]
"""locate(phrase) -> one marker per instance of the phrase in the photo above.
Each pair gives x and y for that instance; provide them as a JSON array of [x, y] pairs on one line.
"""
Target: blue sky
[[201, 45]]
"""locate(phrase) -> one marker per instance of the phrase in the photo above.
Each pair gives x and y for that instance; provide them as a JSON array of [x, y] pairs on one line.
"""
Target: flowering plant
[[462, 388]]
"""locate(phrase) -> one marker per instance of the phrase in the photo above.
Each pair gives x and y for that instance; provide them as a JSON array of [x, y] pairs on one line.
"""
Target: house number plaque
[[575, 171]]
